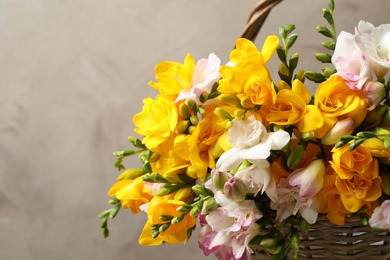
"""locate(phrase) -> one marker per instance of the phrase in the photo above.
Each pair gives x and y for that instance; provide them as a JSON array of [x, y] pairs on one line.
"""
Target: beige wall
[[72, 75]]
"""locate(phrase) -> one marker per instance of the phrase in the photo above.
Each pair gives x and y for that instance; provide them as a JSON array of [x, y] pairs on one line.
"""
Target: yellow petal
[[299, 88], [269, 47], [311, 120]]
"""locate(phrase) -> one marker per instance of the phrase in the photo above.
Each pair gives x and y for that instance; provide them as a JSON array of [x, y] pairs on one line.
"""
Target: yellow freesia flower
[[330, 201], [131, 193], [176, 233], [157, 121], [291, 108], [172, 77], [357, 178], [336, 100], [203, 145], [377, 147], [249, 78]]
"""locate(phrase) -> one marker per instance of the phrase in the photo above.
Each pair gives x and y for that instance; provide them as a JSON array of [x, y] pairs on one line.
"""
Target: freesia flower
[[374, 91], [252, 142], [290, 202], [309, 179], [232, 225], [205, 74], [350, 63], [381, 216], [342, 127], [374, 42], [258, 179]]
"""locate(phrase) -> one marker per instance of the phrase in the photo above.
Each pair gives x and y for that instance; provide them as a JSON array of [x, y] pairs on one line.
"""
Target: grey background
[[72, 75]]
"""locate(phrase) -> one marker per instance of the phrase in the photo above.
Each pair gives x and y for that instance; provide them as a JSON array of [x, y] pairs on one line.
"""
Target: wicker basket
[[324, 239]]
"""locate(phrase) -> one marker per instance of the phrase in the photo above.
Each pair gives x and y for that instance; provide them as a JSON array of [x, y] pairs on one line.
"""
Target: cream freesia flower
[[252, 142]]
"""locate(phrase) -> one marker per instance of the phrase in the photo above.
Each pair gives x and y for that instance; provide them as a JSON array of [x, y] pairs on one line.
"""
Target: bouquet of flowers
[[255, 160]]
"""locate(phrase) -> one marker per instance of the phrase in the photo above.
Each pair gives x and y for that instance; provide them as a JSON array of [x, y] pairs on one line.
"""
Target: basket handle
[[257, 18]]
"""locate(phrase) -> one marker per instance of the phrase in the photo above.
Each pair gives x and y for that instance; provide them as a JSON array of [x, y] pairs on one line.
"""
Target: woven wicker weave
[[324, 239]]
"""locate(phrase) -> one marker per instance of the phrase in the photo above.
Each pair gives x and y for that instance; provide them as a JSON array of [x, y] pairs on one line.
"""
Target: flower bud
[[239, 114], [184, 111], [230, 99], [222, 113], [235, 189], [131, 173], [377, 147], [382, 133], [295, 156], [374, 93], [306, 136], [177, 219], [374, 115], [267, 242], [385, 184], [341, 128], [182, 126], [208, 206], [219, 179], [194, 120], [183, 193]]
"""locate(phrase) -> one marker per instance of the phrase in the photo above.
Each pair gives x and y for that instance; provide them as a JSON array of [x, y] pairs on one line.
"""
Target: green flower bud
[[230, 99], [324, 57], [375, 115], [131, 173], [306, 136], [208, 206], [267, 243], [381, 133], [184, 111], [182, 126], [191, 129], [194, 120], [164, 227], [235, 189], [219, 179], [177, 219], [295, 156], [222, 113]]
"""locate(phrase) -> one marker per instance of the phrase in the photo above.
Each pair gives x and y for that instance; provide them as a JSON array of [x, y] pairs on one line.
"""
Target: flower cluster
[[230, 148]]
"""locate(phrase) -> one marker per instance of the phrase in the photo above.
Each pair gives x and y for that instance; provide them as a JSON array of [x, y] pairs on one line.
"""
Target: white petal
[[229, 160]]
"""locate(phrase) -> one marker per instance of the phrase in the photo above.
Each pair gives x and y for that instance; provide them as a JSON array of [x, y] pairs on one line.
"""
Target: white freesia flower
[[252, 142], [205, 74], [374, 42], [258, 179], [349, 62]]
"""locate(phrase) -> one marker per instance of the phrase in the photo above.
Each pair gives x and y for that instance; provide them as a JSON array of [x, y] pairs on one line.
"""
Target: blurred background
[[72, 75]]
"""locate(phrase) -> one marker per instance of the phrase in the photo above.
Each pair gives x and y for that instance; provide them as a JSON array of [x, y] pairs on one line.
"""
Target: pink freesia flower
[[381, 216], [349, 62], [229, 228], [297, 193], [205, 74], [374, 92], [309, 179]]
